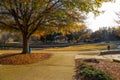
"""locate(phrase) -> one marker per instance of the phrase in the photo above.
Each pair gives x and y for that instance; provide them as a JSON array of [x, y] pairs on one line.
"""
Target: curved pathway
[[59, 67]]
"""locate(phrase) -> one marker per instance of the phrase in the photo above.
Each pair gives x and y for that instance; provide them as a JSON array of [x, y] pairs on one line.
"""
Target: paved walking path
[[110, 57], [59, 67]]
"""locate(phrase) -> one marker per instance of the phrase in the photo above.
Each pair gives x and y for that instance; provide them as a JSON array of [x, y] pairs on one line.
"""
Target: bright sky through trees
[[107, 19]]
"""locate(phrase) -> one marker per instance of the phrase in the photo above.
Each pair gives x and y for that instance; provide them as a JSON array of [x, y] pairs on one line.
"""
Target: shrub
[[86, 72]]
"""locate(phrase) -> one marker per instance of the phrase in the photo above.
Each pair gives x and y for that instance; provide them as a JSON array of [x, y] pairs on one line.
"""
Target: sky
[[106, 19]]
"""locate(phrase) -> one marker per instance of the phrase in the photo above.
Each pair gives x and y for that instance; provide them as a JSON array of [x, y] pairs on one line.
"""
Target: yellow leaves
[[86, 35], [98, 1], [45, 31], [117, 31], [109, 0], [39, 33], [52, 28], [63, 29], [27, 1], [71, 28]]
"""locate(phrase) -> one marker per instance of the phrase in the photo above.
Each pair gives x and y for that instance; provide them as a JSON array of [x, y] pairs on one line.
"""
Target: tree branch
[[6, 25]]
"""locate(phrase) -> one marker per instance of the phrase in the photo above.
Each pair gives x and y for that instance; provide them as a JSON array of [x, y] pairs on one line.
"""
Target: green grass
[[85, 47]]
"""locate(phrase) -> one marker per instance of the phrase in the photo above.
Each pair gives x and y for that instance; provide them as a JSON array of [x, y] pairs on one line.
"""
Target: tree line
[[29, 16], [75, 36]]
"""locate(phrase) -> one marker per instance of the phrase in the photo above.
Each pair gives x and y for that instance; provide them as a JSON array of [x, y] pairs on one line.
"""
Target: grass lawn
[[85, 47]]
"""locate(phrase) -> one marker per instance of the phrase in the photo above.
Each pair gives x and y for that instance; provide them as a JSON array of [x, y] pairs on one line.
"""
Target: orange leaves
[[39, 33]]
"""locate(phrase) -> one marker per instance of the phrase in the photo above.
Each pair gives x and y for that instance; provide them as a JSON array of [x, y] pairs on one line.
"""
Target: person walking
[[108, 47]]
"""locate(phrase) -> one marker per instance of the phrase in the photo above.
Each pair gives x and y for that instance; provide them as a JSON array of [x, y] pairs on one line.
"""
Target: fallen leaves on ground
[[20, 59], [113, 68]]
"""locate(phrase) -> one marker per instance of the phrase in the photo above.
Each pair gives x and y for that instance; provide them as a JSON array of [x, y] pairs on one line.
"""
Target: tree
[[78, 31], [117, 32], [4, 36], [28, 16], [44, 32], [106, 34]]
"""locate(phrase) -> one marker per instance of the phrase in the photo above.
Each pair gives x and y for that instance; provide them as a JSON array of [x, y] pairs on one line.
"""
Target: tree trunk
[[25, 44]]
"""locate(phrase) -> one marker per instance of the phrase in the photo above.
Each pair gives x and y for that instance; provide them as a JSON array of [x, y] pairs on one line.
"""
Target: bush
[[85, 72]]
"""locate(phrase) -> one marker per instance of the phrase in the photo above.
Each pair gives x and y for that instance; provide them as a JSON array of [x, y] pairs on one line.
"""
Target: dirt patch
[[20, 59], [112, 68]]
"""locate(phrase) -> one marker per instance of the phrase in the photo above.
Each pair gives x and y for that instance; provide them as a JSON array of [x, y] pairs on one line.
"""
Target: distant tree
[[96, 35], [44, 32], [117, 32], [8, 37], [87, 34], [28, 16], [4, 36], [105, 34], [79, 32]]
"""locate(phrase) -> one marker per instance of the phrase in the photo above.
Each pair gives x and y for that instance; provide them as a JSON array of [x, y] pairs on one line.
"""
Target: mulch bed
[[113, 68], [21, 59]]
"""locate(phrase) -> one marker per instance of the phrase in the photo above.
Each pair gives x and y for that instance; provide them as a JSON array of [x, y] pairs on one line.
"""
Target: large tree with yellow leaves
[[28, 16]]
